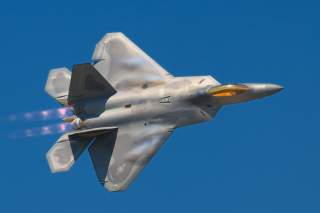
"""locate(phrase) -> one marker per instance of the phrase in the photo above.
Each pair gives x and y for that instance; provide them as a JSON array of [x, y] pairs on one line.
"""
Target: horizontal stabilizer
[[65, 152], [87, 83], [58, 83]]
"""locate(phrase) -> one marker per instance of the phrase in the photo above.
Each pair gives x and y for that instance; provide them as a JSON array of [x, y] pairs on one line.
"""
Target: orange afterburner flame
[[228, 90]]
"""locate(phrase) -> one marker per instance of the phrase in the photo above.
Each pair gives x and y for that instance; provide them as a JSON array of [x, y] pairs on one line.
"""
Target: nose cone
[[263, 90], [273, 88]]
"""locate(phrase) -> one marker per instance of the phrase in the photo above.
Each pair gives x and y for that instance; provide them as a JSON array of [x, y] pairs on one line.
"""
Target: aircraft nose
[[237, 93], [273, 88], [262, 90]]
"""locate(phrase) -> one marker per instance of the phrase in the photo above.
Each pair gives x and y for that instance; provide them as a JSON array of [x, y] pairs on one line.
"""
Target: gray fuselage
[[178, 102]]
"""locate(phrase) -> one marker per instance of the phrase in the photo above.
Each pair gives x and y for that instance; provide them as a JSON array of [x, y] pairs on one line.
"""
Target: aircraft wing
[[119, 157], [125, 65]]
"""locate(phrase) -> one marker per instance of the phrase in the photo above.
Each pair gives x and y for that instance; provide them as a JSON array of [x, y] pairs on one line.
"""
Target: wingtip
[[114, 187]]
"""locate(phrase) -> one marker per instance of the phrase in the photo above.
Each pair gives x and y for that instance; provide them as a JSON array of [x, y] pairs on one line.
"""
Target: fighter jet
[[126, 106]]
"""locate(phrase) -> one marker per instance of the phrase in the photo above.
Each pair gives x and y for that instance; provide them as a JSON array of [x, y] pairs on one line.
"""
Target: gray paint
[[129, 126], [57, 85]]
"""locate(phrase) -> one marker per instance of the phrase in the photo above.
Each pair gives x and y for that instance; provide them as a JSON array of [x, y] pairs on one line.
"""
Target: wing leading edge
[[124, 64]]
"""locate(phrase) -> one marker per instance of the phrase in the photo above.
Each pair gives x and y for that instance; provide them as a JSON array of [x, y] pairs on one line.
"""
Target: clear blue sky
[[261, 156]]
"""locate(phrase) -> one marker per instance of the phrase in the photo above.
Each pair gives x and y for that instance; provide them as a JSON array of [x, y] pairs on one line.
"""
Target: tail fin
[[58, 83], [87, 83], [88, 91]]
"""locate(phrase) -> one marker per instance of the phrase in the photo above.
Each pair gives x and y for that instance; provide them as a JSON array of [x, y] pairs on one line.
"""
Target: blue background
[[261, 156]]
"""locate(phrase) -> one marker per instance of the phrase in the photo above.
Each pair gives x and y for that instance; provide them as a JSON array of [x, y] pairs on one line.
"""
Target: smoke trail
[[42, 131], [48, 114]]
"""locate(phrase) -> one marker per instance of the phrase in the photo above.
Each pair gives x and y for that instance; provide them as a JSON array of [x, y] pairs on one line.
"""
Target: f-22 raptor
[[125, 107]]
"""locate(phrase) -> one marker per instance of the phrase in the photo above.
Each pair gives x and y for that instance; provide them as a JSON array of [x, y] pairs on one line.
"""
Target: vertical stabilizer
[[87, 85]]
